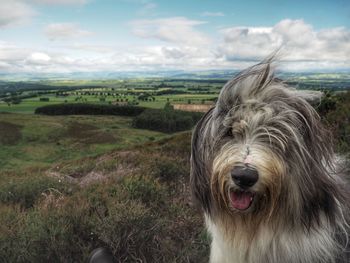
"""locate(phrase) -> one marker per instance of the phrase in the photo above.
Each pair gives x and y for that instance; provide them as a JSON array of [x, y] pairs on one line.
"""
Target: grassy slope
[[43, 140], [69, 184]]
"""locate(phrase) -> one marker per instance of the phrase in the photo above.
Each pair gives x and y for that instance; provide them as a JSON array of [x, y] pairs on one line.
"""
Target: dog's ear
[[200, 163]]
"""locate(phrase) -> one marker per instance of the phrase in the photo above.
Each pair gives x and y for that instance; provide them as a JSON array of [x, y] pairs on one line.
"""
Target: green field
[[24, 97], [29, 105], [36, 140]]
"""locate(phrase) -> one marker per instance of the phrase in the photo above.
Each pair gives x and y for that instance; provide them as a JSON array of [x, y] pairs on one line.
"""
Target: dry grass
[[135, 202]]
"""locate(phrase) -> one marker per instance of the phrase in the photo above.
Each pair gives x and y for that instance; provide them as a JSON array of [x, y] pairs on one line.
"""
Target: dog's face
[[261, 149], [248, 164]]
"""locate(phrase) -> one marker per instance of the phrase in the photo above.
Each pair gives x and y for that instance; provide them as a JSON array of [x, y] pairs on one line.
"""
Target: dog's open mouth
[[241, 200]]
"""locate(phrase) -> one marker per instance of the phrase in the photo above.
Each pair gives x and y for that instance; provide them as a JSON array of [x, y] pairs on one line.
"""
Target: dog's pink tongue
[[241, 200]]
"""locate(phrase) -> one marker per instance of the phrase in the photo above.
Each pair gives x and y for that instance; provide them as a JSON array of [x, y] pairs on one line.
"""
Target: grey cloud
[[172, 52]]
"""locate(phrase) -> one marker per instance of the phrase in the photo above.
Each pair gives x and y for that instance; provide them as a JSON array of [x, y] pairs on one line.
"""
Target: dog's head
[[261, 149]]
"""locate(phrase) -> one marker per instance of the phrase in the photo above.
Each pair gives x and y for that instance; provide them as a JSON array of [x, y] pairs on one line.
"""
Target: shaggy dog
[[264, 173]]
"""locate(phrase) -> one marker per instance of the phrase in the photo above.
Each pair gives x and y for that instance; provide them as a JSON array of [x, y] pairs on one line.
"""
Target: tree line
[[164, 120], [89, 109]]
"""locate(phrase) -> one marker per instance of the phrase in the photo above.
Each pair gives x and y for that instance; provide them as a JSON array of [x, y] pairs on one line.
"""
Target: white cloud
[[182, 47], [39, 58], [17, 12], [178, 30], [298, 40], [61, 31], [12, 57], [212, 14], [295, 32], [243, 43], [164, 57], [16, 59], [13, 12]]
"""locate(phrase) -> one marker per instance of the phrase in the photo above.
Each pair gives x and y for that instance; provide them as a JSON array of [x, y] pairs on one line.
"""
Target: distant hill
[[177, 74]]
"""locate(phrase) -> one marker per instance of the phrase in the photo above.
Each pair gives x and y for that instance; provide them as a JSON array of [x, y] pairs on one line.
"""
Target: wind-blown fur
[[300, 212]]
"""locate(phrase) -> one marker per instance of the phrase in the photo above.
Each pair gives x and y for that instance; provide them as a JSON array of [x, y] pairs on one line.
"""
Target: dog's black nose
[[244, 176]]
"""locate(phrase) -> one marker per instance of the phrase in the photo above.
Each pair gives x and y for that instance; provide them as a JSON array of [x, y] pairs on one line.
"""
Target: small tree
[[168, 107]]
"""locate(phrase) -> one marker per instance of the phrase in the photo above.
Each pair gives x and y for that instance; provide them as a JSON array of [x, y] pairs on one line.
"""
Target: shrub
[[179, 146], [167, 169], [89, 109], [335, 113], [16, 101], [56, 233], [131, 230], [26, 191], [166, 120], [138, 216], [144, 189]]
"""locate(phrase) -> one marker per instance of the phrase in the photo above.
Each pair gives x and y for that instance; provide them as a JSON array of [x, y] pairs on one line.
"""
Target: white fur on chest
[[270, 247]]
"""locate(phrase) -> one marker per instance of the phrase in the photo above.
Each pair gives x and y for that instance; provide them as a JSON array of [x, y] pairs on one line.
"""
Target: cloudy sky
[[121, 35]]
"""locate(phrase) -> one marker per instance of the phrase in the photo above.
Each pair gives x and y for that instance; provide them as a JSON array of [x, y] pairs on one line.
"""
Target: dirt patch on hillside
[[193, 107], [10, 133], [89, 134]]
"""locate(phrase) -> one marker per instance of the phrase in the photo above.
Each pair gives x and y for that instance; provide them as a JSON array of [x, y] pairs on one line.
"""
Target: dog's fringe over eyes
[[264, 173]]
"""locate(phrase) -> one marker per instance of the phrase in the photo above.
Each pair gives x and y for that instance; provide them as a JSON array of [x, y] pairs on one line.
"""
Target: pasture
[[29, 105], [147, 93]]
